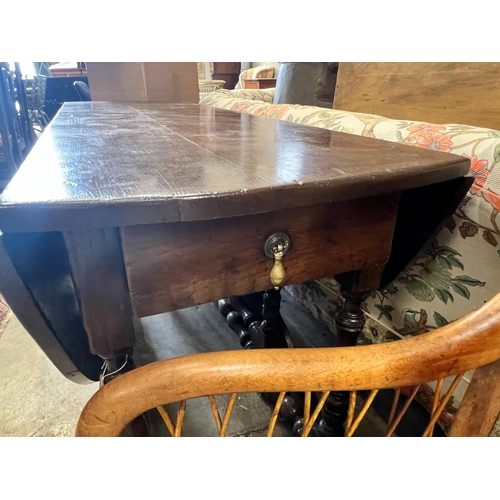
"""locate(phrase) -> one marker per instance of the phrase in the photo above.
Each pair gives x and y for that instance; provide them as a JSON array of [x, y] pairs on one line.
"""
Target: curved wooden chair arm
[[468, 343]]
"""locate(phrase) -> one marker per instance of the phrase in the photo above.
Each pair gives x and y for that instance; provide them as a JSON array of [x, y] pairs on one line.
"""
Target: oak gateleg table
[[125, 210]]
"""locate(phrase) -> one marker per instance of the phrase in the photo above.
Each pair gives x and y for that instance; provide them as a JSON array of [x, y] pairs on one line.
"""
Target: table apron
[[181, 264]]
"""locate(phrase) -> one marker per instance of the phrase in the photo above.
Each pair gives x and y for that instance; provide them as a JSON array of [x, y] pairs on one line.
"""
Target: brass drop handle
[[277, 277], [276, 247]]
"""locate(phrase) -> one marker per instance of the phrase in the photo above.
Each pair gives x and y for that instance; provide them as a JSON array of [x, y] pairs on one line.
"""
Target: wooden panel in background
[[463, 93], [177, 265], [143, 81]]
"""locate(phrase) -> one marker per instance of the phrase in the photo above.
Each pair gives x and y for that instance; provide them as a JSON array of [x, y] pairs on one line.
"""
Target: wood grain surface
[[260, 83], [177, 265], [111, 164], [101, 287], [480, 406], [463, 93]]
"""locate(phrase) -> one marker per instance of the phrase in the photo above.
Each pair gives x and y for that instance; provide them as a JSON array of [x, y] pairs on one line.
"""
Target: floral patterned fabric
[[454, 273], [228, 98]]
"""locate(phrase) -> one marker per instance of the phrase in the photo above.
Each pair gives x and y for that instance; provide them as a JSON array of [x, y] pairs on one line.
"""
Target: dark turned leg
[[236, 323], [239, 317], [256, 329], [263, 329], [273, 330], [273, 333], [349, 322], [237, 304], [351, 319]]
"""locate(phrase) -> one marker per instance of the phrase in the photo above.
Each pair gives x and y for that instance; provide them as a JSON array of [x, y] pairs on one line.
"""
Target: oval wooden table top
[[102, 164]]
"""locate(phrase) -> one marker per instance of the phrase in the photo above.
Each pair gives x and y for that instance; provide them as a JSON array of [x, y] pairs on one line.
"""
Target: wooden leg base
[[333, 416], [350, 322], [256, 319]]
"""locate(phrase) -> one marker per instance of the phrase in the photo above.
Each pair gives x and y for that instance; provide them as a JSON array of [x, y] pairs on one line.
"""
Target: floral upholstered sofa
[[454, 273], [457, 270]]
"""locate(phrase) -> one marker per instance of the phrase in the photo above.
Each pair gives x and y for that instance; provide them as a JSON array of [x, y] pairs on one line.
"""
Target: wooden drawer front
[[181, 264]]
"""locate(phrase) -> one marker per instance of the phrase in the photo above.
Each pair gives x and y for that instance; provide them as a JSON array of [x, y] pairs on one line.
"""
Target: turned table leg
[[263, 329], [239, 317], [273, 328], [271, 332], [350, 320]]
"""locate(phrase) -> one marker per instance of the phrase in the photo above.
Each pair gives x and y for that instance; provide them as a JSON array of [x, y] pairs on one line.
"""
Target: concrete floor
[[37, 400]]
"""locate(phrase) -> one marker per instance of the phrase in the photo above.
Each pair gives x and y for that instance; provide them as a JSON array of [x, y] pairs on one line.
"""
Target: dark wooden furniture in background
[[144, 208], [227, 71], [59, 90], [10, 154], [260, 83]]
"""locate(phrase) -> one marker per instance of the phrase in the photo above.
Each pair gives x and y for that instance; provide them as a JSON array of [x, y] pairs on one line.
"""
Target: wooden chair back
[[472, 342]]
